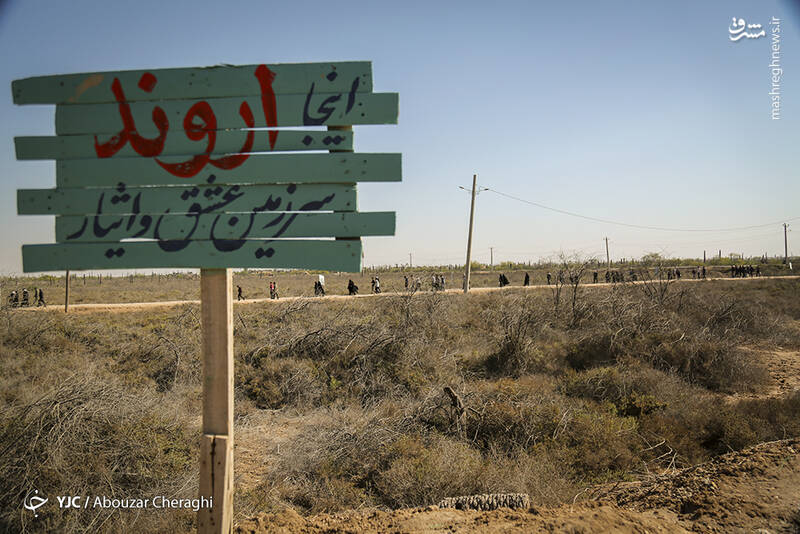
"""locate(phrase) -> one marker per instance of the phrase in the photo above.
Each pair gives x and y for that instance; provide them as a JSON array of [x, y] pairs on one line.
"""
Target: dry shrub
[[519, 323], [505, 417], [371, 357], [592, 351], [713, 363], [421, 472], [626, 388], [539, 473], [332, 467], [88, 436], [284, 382], [381, 456], [599, 444]]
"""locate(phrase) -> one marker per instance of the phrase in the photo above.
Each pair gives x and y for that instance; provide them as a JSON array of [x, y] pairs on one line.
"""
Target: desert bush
[[539, 473], [425, 471], [592, 351], [626, 388], [276, 383], [713, 363], [88, 436]]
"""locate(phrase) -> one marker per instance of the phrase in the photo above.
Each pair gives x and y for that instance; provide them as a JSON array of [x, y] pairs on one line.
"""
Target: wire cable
[[639, 226]]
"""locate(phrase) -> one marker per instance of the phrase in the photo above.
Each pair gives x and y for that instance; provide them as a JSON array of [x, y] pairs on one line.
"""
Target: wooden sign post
[[190, 168], [216, 447]]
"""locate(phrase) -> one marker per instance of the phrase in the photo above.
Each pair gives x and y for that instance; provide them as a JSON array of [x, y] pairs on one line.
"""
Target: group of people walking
[[15, 301], [438, 281], [415, 284], [744, 271]]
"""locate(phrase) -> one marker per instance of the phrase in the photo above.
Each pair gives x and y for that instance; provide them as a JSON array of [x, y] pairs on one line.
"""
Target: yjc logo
[[69, 502], [33, 502]]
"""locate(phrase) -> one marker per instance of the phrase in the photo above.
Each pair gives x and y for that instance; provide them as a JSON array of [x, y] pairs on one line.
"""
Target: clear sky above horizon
[[644, 113]]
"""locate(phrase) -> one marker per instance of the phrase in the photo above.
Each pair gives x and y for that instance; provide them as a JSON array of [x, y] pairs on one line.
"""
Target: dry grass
[[544, 400]]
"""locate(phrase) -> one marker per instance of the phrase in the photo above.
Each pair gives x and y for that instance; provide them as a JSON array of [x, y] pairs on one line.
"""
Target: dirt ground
[[755, 490]]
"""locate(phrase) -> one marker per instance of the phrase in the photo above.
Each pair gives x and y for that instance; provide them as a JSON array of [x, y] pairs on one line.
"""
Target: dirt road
[[134, 306]]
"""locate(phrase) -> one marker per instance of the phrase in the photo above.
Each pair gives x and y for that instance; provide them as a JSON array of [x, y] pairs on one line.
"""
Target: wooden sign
[[190, 168]]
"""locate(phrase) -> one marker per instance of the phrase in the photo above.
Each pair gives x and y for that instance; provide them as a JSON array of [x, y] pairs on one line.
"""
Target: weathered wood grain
[[269, 254], [176, 144], [179, 199], [258, 169], [320, 109], [73, 229], [199, 82]]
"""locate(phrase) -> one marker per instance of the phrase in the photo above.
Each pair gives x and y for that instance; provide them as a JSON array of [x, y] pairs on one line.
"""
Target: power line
[[640, 226]]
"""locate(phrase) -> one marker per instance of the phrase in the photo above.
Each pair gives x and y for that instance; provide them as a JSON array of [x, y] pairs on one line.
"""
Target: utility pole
[[409, 260], [785, 245], [491, 256], [469, 236], [66, 295], [704, 256], [608, 257]]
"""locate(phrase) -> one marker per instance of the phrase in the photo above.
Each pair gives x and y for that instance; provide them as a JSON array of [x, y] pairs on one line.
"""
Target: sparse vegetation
[[612, 384]]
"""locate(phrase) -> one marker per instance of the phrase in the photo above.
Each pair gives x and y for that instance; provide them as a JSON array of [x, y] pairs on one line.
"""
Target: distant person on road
[[239, 293], [550, 277], [41, 301], [319, 290], [405, 280], [352, 289], [527, 280], [377, 285], [24, 297], [678, 274], [608, 277], [703, 271], [594, 277]]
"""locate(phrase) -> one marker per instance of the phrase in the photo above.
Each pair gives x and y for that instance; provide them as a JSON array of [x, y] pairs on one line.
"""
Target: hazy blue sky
[[641, 112]]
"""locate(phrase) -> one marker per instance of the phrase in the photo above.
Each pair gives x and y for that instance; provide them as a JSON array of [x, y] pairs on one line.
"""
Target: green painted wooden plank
[[221, 226], [333, 255], [257, 169], [227, 142], [321, 109], [179, 199], [200, 82]]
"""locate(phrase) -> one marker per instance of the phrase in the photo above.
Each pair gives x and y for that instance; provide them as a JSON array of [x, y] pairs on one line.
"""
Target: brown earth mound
[[756, 490]]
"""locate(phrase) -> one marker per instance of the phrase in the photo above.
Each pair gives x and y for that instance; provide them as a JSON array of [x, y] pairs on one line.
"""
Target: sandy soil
[[756, 490]]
